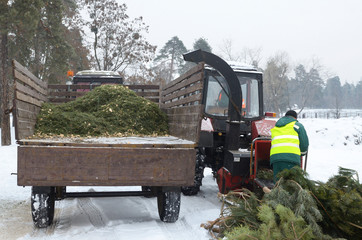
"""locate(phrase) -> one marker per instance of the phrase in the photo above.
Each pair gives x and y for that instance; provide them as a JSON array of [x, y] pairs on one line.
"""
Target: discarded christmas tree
[[297, 208], [341, 199]]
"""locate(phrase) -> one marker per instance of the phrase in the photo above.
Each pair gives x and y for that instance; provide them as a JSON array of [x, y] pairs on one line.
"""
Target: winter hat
[[292, 114]]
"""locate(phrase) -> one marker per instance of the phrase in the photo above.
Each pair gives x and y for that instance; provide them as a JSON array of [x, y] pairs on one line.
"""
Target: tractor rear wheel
[[199, 175], [42, 206], [169, 205]]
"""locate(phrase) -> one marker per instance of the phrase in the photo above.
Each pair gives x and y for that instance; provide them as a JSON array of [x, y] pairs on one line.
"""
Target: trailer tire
[[169, 206], [42, 206], [199, 175]]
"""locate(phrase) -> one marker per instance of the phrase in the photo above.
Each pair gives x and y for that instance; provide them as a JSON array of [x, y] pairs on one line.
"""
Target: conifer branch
[[295, 234], [354, 225], [325, 210]]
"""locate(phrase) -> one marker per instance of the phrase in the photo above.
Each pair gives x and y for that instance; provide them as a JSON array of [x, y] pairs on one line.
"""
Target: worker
[[222, 99], [289, 143]]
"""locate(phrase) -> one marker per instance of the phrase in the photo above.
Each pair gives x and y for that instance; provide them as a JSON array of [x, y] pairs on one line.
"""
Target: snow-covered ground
[[333, 143]]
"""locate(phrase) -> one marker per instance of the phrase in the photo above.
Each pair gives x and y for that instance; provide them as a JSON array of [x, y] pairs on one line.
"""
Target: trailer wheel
[[42, 206], [199, 175], [169, 206]]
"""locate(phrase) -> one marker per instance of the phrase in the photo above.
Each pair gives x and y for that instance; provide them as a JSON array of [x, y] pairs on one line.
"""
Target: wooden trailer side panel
[[105, 166], [181, 101], [60, 93], [29, 94]]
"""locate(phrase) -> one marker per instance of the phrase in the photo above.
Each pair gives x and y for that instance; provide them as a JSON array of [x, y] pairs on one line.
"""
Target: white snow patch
[[333, 143], [115, 140]]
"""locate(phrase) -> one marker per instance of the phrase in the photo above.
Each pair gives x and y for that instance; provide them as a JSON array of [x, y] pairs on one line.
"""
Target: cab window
[[217, 96]]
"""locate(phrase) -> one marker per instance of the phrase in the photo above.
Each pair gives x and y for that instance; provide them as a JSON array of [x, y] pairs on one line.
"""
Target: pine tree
[[333, 95], [306, 88], [202, 44], [171, 54], [40, 40], [348, 94], [358, 93], [54, 46], [16, 21]]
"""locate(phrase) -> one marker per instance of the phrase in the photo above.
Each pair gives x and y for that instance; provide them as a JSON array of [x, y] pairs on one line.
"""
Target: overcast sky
[[329, 30]]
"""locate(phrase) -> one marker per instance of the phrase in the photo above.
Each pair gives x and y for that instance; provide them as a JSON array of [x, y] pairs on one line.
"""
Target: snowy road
[[113, 218], [333, 143]]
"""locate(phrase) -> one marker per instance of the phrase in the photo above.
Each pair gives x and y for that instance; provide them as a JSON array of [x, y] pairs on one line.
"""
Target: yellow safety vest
[[285, 140]]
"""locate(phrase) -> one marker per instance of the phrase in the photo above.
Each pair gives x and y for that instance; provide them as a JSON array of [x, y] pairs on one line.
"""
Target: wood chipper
[[234, 140]]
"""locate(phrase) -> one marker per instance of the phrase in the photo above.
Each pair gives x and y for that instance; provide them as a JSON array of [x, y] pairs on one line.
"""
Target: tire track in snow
[[64, 221], [181, 227], [95, 216]]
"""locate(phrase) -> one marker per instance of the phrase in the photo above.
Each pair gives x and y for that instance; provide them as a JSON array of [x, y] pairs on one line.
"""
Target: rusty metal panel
[[105, 166]]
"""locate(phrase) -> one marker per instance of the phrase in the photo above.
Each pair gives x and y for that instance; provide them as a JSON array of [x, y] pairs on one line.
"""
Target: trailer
[[161, 165]]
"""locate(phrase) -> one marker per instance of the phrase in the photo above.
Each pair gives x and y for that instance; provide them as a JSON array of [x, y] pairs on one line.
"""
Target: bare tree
[[252, 56], [276, 83], [227, 51], [119, 42]]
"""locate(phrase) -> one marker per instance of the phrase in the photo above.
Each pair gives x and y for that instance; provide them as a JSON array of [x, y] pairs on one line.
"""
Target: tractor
[[234, 140]]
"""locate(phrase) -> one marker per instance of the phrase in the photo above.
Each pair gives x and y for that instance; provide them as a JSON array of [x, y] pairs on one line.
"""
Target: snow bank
[[333, 143]]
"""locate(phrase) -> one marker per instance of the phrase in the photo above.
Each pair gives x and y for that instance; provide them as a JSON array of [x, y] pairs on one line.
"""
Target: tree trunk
[[5, 121], [172, 63], [95, 45], [37, 53]]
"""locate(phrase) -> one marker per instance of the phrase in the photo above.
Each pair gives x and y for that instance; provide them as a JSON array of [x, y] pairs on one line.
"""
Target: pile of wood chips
[[108, 110]]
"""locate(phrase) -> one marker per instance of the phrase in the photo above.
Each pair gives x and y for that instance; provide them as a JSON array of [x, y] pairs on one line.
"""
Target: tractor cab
[[217, 93], [96, 78]]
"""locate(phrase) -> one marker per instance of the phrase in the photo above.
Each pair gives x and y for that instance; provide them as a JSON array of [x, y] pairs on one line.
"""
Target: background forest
[[52, 37]]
